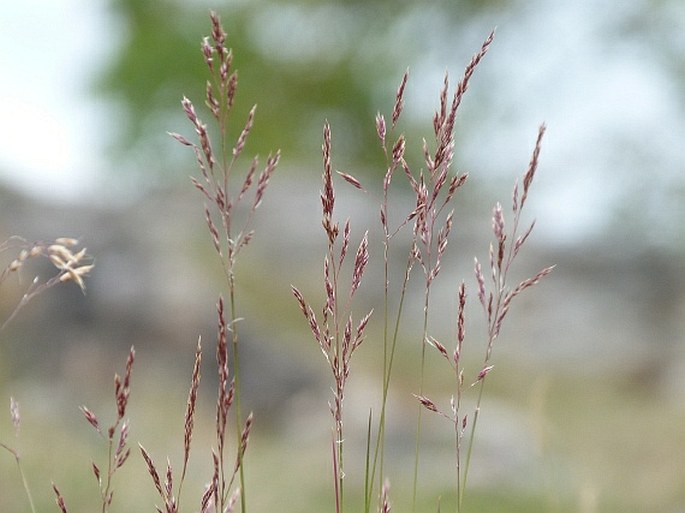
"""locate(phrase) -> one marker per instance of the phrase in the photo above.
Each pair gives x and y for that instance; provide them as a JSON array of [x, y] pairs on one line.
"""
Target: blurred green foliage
[[300, 61]]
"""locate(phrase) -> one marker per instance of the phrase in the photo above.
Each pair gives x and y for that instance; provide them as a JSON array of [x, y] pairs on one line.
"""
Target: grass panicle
[[335, 332], [115, 436], [432, 220], [229, 226], [495, 303]]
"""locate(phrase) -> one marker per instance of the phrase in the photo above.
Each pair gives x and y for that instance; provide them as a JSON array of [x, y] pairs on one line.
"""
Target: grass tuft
[[342, 321]]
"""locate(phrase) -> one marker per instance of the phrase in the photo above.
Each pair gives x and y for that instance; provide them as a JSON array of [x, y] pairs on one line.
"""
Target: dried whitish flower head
[[14, 414], [60, 255], [66, 241], [76, 275]]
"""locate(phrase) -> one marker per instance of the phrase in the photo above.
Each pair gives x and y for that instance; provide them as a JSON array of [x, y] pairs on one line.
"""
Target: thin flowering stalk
[[496, 302], [434, 192], [14, 451], [117, 455], [221, 188], [394, 160], [189, 424], [116, 436], [335, 330], [458, 421], [221, 494]]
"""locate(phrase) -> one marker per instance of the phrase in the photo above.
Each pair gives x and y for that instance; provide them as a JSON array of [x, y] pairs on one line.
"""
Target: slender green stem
[[421, 385], [24, 482], [457, 448], [26, 487], [109, 475], [368, 486], [388, 359], [472, 436], [236, 378]]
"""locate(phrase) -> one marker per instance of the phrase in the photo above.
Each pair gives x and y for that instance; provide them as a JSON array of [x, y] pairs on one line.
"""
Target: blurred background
[[586, 408]]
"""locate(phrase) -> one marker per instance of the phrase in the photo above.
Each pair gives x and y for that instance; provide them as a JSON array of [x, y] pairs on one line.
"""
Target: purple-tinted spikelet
[[152, 470], [351, 180], [439, 346], [500, 235], [122, 389], [218, 34], [461, 329], [399, 99], [211, 101], [264, 177], [361, 259], [361, 327], [328, 194], [191, 405], [122, 452], [345, 242], [398, 150], [533, 165], [427, 403], [231, 88], [522, 238], [441, 115], [240, 144], [249, 177], [59, 499], [91, 418], [213, 231], [478, 271], [311, 318], [464, 82], [206, 502], [244, 438]]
